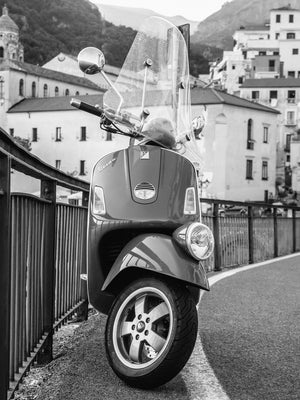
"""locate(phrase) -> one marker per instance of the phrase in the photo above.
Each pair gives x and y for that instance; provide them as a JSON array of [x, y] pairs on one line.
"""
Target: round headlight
[[200, 241]]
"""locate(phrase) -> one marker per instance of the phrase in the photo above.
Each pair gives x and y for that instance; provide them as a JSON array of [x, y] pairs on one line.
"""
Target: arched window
[[56, 91], [290, 35], [1, 52], [67, 92], [250, 141], [45, 90], [77, 93], [21, 87], [33, 89]]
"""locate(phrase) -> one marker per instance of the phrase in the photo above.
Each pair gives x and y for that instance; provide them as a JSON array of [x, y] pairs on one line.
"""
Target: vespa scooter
[[145, 238]]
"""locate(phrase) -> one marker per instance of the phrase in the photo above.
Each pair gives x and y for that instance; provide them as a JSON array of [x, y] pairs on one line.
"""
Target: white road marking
[[198, 374]]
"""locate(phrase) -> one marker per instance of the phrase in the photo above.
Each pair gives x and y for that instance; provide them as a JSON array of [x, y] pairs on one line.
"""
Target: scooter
[[146, 243]]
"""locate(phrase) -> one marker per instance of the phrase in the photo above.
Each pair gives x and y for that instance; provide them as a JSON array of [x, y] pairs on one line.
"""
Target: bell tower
[[10, 47]]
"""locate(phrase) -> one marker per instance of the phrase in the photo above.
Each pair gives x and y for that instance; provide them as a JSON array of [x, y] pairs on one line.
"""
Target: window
[[34, 135], [275, 53], [277, 18], [250, 141], [58, 164], [271, 65], [45, 90], [83, 133], [277, 36], [67, 92], [264, 171], [288, 142], [58, 134], [33, 89], [1, 52], [273, 95], [291, 18], [233, 67], [56, 91], [249, 169], [77, 93], [262, 53], [291, 74], [241, 79], [12, 132], [290, 35], [255, 94], [290, 118], [266, 134], [1, 87], [291, 96], [21, 87], [82, 167], [295, 51]]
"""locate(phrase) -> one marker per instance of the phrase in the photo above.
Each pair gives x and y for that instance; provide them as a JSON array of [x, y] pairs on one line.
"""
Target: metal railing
[[43, 248], [250, 232]]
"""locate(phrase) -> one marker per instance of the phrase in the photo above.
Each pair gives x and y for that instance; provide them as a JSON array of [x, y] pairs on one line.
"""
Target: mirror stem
[[115, 90]]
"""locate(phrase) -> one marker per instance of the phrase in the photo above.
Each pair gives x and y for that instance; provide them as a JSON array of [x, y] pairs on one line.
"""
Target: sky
[[195, 10]]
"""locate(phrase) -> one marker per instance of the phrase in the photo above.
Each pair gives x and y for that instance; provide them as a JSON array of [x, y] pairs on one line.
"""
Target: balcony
[[291, 100], [290, 122]]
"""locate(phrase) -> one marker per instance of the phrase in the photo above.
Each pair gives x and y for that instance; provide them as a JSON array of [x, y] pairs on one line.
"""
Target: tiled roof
[[271, 83], [198, 96], [58, 103], [213, 96], [285, 8], [47, 73], [254, 28]]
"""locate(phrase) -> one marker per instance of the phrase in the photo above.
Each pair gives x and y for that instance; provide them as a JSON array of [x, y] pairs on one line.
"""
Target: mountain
[[218, 28], [129, 16], [50, 27]]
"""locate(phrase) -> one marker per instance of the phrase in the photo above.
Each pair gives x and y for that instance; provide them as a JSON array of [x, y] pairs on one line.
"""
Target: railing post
[[82, 312], [275, 232], [294, 231], [5, 242], [48, 192], [250, 233], [216, 232]]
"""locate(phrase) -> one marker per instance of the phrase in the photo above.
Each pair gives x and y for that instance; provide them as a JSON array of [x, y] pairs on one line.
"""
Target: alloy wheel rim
[[142, 327]]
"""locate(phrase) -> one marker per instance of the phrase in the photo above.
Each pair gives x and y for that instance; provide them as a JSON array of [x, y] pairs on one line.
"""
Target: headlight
[[197, 238]]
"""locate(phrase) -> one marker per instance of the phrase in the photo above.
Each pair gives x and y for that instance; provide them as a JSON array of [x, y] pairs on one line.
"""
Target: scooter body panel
[[158, 253], [127, 216]]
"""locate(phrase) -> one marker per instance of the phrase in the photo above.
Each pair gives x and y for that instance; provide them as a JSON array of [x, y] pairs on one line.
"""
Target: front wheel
[[150, 332]]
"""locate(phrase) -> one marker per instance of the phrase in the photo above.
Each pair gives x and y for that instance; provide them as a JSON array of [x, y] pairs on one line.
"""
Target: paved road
[[251, 332], [248, 346]]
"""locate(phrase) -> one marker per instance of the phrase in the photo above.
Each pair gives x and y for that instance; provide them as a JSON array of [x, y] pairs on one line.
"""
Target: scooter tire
[[151, 332]]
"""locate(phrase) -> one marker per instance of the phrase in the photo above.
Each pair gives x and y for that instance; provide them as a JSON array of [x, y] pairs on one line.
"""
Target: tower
[[10, 47]]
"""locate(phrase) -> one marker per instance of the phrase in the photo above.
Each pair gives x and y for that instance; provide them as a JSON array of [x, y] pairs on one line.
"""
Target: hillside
[[217, 29], [133, 17], [49, 27]]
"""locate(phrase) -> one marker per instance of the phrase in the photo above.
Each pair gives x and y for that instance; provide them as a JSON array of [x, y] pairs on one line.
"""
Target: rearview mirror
[[91, 60]]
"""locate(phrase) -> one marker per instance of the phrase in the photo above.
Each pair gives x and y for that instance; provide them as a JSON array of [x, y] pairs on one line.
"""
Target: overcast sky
[[196, 10]]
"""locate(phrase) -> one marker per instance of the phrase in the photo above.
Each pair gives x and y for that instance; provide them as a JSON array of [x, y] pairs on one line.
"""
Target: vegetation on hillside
[[50, 27]]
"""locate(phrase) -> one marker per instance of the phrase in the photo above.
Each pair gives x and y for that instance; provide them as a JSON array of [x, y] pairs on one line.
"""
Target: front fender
[[160, 254]]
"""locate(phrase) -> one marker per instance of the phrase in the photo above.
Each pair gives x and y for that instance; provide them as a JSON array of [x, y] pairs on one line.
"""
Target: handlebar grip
[[81, 105]]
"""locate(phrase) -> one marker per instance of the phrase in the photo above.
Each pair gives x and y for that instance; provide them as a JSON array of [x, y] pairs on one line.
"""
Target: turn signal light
[[190, 201], [98, 201]]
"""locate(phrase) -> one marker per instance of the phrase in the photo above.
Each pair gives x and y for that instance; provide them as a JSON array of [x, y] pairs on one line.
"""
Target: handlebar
[[81, 105]]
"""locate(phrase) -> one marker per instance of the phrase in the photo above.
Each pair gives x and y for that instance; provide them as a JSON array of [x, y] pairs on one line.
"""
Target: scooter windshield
[[152, 90]]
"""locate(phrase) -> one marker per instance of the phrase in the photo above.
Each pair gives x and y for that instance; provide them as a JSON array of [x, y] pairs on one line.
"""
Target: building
[[268, 51], [238, 146], [20, 80]]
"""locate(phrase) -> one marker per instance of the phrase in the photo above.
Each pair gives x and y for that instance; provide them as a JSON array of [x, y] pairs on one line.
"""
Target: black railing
[[43, 248], [250, 232]]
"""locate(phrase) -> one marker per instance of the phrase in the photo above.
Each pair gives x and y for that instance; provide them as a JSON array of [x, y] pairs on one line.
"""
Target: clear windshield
[[152, 89]]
